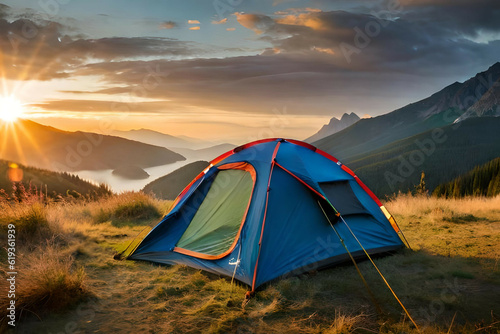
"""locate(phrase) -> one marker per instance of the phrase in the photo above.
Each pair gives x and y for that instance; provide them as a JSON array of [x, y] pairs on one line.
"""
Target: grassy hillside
[[169, 186], [46, 147], [69, 282], [483, 180], [442, 155], [47, 182]]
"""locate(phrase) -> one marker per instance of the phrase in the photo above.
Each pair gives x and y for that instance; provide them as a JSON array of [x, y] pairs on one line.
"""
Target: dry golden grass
[[129, 208], [48, 280], [346, 323], [407, 205], [467, 227], [50, 235], [30, 221], [450, 283]]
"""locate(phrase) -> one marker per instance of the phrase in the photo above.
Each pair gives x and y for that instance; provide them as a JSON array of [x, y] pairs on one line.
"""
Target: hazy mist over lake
[[119, 184]]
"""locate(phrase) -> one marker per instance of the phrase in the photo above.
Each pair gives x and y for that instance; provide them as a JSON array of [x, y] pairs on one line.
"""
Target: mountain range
[[463, 113], [162, 139], [190, 148], [488, 104], [444, 135], [46, 147], [208, 153]]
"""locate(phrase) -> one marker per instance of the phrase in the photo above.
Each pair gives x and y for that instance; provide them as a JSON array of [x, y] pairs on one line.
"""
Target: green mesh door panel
[[218, 219]]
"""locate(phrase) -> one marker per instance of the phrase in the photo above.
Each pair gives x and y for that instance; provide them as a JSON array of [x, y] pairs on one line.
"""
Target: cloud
[[194, 28], [325, 50], [298, 10], [118, 106], [270, 51], [223, 21], [193, 22], [97, 106], [130, 47], [259, 84], [168, 25], [302, 65], [44, 51], [4, 10], [469, 17], [230, 29], [400, 42], [256, 22]]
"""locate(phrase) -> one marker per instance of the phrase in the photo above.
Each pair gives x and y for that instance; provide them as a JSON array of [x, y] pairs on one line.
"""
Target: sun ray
[[23, 75], [18, 146], [14, 135], [17, 135], [27, 68], [5, 130], [33, 142], [2, 70]]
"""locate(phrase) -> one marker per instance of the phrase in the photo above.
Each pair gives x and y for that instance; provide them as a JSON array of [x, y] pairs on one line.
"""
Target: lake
[[119, 184]]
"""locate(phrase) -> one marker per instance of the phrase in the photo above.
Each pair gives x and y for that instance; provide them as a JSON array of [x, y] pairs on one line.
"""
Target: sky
[[236, 70]]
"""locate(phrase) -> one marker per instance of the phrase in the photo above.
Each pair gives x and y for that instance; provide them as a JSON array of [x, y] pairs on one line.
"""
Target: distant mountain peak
[[347, 116], [344, 118], [334, 125]]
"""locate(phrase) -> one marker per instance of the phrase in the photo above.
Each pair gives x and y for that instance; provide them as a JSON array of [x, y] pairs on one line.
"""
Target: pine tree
[[482, 180], [421, 189]]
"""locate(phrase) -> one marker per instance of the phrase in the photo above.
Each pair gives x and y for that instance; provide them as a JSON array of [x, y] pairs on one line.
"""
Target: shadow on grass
[[438, 291]]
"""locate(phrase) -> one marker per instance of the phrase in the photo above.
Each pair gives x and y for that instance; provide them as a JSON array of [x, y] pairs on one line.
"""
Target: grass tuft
[[128, 209], [30, 221], [344, 324], [47, 281]]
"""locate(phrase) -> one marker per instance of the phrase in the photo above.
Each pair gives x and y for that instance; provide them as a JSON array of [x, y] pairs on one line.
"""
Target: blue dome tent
[[268, 209]]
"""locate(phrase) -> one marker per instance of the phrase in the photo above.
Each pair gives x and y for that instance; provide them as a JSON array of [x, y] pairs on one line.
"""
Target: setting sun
[[10, 108]]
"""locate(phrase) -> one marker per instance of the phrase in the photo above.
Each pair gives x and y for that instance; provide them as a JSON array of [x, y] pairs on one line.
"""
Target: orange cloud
[[324, 50], [256, 22], [223, 21], [271, 51], [231, 29], [303, 19], [193, 22], [195, 28]]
